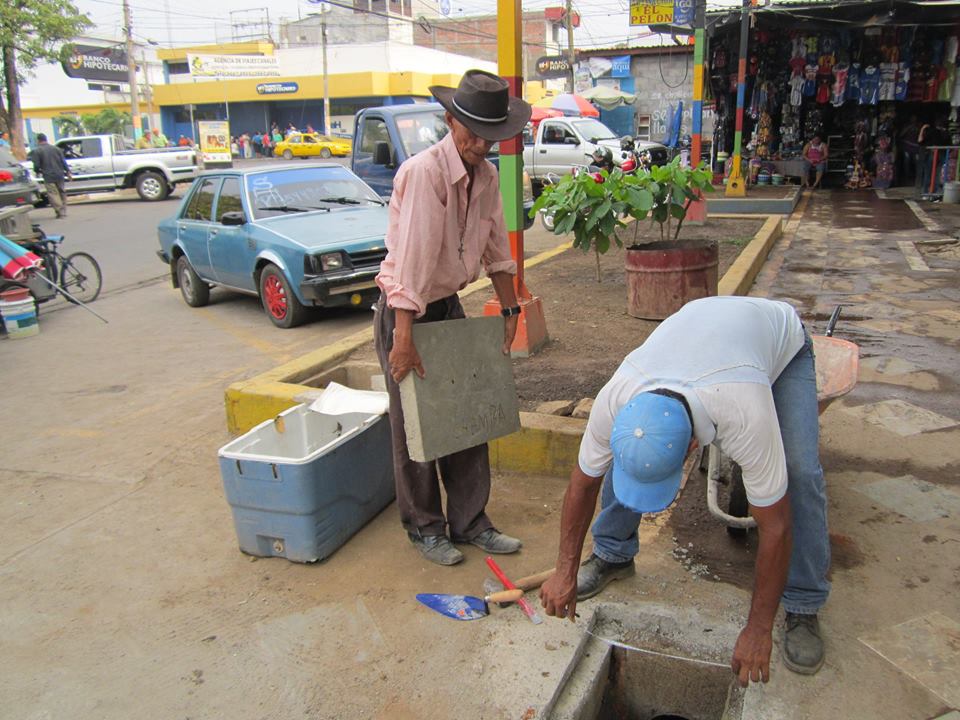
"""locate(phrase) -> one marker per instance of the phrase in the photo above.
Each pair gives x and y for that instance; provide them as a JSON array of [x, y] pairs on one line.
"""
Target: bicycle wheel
[[80, 276]]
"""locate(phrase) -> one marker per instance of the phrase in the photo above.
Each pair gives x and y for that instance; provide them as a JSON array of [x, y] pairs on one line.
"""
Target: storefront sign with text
[[553, 66]]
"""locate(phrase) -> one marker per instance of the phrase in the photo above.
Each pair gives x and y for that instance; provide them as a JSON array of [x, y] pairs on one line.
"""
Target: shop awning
[[608, 98], [840, 15]]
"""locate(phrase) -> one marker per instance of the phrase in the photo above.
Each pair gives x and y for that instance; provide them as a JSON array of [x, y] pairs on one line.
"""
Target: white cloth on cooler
[[340, 400]]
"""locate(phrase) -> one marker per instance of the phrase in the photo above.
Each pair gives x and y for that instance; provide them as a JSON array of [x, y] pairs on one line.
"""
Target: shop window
[[643, 127]]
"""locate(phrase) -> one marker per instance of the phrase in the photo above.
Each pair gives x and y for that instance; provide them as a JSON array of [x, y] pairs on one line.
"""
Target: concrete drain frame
[[649, 662]]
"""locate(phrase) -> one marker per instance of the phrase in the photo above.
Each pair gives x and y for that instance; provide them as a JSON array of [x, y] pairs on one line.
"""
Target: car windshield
[[593, 129], [420, 130], [285, 191]]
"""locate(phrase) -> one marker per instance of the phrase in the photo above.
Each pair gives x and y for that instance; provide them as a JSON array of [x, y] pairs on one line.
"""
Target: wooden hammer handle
[[531, 582], [505, 596]]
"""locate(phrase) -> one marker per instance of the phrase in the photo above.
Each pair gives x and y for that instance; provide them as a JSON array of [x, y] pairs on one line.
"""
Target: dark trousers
[[465, 474]]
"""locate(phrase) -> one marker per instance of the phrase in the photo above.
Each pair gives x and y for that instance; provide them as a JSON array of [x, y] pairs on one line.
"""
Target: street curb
[[545, 444]]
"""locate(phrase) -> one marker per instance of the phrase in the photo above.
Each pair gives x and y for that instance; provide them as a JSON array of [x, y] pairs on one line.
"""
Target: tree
[[68, 125], [106, 122], [31, 31]]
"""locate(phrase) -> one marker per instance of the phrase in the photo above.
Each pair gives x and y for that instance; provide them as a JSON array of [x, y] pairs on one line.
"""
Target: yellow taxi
[[311, 145]]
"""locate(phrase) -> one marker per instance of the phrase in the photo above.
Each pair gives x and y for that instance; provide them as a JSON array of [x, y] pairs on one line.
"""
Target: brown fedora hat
[[482, 103]]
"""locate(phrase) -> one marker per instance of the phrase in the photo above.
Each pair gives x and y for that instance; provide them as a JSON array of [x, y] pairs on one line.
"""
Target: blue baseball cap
[[649, 442]]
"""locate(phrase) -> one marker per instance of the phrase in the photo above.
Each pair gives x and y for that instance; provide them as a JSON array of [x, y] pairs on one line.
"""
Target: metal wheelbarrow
[[837, 366]]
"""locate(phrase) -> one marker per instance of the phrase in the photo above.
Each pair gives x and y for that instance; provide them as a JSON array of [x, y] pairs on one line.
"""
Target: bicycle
[[76, 276]]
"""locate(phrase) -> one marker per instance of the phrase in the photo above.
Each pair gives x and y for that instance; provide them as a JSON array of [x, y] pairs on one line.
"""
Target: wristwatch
[[507, 312]]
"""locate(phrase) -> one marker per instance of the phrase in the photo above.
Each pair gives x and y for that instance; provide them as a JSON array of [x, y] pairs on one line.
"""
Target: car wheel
[[287, 155], [195, 291], [152, 186], [281, 305], [325, 153]]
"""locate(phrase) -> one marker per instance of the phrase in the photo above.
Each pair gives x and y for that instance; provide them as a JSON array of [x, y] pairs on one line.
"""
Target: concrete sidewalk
[[124, 593]]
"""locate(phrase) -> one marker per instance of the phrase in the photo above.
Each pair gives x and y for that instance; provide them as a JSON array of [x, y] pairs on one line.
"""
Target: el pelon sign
[[553, 66], [671, 12], [89, 62]]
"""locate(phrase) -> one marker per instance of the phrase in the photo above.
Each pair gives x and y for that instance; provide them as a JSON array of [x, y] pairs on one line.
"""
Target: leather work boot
[[802, 646], [494, 541], [437, 549], [596, 573]]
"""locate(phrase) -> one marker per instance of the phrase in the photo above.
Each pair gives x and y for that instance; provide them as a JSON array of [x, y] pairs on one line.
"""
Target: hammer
[[530, 582]]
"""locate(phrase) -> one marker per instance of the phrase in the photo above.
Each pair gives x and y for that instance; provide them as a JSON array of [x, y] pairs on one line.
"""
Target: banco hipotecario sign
[[277, 88], [89, 62]]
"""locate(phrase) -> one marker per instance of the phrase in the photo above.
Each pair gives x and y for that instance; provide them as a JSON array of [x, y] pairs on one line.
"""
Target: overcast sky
[[182, 22]]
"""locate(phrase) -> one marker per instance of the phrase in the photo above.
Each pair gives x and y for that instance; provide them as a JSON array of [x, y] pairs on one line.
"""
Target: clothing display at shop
[[864, 90]]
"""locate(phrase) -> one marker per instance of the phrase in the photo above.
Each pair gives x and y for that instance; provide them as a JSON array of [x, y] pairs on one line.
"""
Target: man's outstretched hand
[[559, 596], [751, 656]]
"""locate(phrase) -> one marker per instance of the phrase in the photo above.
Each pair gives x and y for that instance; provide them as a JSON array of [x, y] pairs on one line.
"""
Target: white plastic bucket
[[951, 192], [19, 318]]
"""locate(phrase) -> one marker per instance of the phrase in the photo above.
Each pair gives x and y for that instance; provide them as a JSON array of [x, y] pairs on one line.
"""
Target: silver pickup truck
[[103, 163]]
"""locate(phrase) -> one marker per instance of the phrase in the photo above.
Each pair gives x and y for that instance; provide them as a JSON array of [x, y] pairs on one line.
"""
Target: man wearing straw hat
[[446, 220]]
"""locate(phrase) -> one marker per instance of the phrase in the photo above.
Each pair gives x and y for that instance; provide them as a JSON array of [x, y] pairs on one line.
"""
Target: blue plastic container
[[302, 484]]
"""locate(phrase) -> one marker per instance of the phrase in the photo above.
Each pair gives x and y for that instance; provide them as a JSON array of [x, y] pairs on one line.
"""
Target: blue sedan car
[[297, 237]]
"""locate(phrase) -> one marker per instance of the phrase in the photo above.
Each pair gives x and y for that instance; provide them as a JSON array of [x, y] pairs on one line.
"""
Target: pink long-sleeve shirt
[[430, 214]]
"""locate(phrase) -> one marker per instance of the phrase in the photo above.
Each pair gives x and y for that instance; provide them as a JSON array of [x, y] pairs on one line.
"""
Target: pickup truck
[[561, 143], [384, 137], [103, 163]]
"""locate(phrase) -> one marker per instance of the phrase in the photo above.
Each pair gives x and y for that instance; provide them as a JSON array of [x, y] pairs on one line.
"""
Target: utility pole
[[570, 51], [132, 72], [146, 87], [326, 86]]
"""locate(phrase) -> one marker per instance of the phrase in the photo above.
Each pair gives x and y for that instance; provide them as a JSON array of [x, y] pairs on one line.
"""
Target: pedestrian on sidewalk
[[50, 164], [257, 142], [815, 153], [446, 219], [737, 372]]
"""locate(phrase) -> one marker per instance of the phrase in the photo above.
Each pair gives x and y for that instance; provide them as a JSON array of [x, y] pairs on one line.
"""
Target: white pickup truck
[[103, 163], [561, 143]]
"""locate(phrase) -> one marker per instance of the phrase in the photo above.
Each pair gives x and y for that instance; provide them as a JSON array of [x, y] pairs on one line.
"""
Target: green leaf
[[678, 211]]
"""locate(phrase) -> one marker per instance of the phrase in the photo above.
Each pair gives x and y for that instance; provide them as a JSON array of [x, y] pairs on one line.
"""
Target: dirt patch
[[590, 331]]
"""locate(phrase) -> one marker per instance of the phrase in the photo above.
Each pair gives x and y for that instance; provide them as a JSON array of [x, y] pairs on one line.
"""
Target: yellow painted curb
[[545, 444]]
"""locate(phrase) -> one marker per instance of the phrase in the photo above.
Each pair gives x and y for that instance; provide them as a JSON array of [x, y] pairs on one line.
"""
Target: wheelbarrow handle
[[833, 320]]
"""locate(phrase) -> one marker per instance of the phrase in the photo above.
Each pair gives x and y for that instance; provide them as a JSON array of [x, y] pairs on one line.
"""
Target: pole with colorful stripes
[[532, 327], [736, 184]]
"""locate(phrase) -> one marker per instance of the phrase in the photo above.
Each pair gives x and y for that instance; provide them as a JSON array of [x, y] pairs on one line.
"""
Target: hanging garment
[[796, 90], [869, 85], [948, 78], [823, 91], [888, 81], [797, 64], [799, 46], [840, 74], [903, 81], [853, 82], [810, 81], [812, 44], [933, 83], [826, 63]]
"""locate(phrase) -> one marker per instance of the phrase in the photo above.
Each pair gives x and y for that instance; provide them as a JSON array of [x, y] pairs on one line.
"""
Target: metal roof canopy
[[856, 14]]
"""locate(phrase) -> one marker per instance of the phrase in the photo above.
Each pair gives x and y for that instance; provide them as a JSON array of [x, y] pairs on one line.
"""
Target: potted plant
[[661, 275]]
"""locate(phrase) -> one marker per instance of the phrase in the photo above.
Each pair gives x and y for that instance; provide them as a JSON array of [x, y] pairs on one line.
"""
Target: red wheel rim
[[275, 297]]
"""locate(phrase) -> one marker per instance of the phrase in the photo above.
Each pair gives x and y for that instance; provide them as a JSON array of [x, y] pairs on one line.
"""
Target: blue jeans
[[615, 536]]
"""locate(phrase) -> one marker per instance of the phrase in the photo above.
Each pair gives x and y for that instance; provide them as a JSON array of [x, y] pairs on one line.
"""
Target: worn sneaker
[[596, 573], [436, 548], [802, 646], [494, 541]]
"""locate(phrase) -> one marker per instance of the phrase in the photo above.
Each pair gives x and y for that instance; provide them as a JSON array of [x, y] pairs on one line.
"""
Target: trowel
[[467, 607]]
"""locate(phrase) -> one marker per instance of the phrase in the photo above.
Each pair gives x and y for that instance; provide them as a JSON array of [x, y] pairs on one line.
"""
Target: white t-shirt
[[723, 354]]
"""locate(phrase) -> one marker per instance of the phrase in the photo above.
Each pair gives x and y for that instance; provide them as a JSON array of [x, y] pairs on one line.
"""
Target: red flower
[[597, 177], [5, 176]]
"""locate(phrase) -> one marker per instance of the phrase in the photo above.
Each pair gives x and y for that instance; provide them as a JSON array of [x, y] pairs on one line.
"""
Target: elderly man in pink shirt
[[446, 219]]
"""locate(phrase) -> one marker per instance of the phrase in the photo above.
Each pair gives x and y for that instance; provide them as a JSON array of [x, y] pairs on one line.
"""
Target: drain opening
[[648, 687]]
